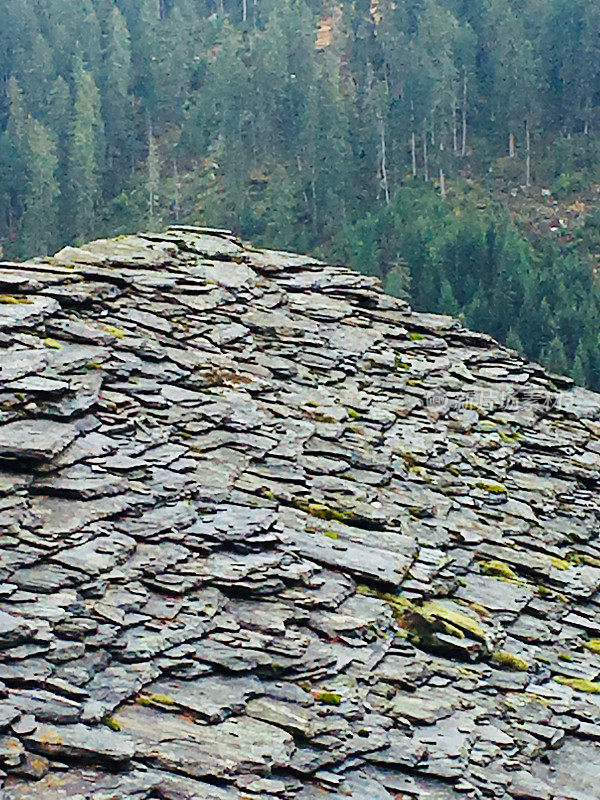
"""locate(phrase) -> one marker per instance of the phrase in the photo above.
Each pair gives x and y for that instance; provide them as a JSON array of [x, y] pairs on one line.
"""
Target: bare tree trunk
[[413, 141], [511, 145], [313, 190], [244, 10], [528, 160], [588, 111], [442, 184], [425, 153], [454, 129], [176, 195], [463, 151], [383, 163]]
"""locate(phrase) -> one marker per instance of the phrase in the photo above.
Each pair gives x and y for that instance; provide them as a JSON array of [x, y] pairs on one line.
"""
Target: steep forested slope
[[336, 128]]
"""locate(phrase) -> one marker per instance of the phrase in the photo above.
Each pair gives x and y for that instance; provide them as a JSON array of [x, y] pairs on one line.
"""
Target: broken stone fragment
[[35, 439], [99, 744]]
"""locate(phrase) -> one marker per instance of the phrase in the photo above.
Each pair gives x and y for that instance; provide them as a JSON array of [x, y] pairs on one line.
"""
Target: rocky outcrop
[[267, 533]]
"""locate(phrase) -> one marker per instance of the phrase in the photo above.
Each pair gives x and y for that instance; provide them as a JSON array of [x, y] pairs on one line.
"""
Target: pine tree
[[554, 357], [18, 116], [447, 299], [116, 105], [86, 154], [513, 341], [38, 226], [580, 365]]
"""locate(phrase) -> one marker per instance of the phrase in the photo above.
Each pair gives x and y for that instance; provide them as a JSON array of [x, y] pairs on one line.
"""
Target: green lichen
[[506, 660], [582, 558], [9, 300], [510, 438], [453, 619], [565, 657], [593, 645], [353, 413], [559, 563], [416, 337], [52, 344], [328, 698], [498, 569], [492, 488], [331, 535], [118, 333], [579, 684], [322, 511], [154, 699], [112, 723]]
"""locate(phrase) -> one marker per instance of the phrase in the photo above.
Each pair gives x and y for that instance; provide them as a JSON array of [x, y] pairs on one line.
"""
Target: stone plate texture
[[267, 533]]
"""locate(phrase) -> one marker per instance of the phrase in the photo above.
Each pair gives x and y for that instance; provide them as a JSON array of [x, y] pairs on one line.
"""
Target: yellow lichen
[[323, 511], [434, 610], [154, 699], [498, 569], [118, 333], [559, 563], [492, 488], [593, 645], [9, 300], [579, 684], [328, 698], [52, 344], [506, 660], [112, 723]]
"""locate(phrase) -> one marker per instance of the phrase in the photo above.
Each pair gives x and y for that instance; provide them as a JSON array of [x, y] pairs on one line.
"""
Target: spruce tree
[[86, 154], [38, 227]]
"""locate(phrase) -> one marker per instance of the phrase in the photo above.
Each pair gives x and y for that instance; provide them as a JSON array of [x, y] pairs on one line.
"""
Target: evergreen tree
[[116, 105], [86, 154], [554, 356], [38, 228]]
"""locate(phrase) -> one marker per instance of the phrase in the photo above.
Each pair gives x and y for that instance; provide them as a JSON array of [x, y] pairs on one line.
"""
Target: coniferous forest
[[451, 147]]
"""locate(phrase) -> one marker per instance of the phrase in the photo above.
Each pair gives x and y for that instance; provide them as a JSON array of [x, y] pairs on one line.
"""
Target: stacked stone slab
[[267, 533]]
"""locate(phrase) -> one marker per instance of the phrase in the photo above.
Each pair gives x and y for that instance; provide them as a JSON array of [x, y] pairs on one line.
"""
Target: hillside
[[319, 127], [268, 533]]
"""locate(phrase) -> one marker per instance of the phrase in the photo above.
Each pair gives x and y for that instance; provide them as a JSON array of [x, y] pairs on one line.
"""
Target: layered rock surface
[[266, 533]]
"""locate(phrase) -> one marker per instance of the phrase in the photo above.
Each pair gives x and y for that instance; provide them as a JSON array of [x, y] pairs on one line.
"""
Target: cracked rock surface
[[267, 533]]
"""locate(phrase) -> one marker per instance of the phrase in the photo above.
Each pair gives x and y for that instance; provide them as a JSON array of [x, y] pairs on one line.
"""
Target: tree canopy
[[375, 132]]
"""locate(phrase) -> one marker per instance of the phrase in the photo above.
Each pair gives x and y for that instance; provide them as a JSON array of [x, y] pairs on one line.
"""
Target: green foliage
[[329, 148]]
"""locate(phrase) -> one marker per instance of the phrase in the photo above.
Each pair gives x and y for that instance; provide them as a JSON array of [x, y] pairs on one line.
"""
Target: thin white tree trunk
[[413, 140], [425, 154], [244, 10], [442, 184], [511, 145], [384, 177], [464, 118], [454, 129], [528, 160], [176, 195]]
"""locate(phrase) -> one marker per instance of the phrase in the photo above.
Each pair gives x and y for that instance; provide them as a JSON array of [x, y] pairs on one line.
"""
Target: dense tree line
[[352, 129]]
